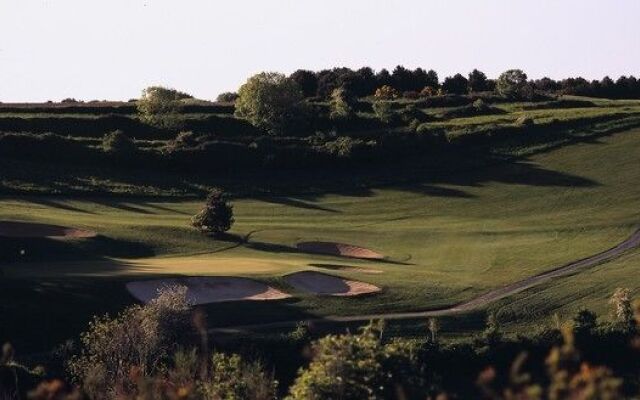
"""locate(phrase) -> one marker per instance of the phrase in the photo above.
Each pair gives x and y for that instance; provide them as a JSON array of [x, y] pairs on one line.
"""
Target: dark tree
[[307, 81], [402, 79], [432, 79], [383, 78], [456, 84], [217, 215], [478, 81]]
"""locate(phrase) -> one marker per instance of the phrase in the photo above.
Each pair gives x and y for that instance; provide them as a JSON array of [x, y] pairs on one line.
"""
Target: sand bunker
[[319, 283], [339, 249], [203, 290], [15, 229]]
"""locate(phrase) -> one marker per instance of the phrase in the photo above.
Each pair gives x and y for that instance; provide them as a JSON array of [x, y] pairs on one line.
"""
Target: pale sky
[[112, 49]]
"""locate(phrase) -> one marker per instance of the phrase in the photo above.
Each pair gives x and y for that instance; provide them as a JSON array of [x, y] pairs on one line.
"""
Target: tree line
[[364, 82]]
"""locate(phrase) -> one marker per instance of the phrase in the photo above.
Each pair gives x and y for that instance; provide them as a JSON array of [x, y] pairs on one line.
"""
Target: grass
[[448, 239]]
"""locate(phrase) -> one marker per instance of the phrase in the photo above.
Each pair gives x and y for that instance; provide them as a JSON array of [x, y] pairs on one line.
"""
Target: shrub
[[234, 379], [118, 143], [183, 140], [270, 101], [386, 92], [139, 339], [428, 91], [357, 367], [524, 121], [217, 215], [160, 107], [383, 110]]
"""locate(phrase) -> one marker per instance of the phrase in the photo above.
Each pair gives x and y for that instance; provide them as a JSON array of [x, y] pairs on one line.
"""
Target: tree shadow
[[293, 202]]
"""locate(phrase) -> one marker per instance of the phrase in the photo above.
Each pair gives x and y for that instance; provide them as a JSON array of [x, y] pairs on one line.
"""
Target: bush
[[234, 379], [383, 110], [341, 104], [357, 367], [386, 92], [524, 121], [117, 142], [140, 338], [217, 215], [270, 101]]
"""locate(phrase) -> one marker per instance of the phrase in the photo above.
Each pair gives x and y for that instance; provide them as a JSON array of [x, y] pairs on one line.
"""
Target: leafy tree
[[456, 84], [269, 101], [217, 215], [307, 82], [341, 104], [478, 81], [511, 83], [160, 106], [227, 97]]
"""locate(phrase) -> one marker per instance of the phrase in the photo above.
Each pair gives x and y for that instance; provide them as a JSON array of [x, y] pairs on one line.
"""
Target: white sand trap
[[319, 283], [15, 229], [339, 249], [204, 290]]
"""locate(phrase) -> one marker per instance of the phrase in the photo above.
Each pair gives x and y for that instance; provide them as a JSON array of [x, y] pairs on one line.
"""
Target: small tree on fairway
[[216, 216]]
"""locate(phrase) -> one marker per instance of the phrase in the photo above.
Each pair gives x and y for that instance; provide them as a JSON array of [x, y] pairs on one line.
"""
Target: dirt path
[[493, 295]]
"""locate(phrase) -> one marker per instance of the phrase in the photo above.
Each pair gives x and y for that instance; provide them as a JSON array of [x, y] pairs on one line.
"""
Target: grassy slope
[[453, 238]]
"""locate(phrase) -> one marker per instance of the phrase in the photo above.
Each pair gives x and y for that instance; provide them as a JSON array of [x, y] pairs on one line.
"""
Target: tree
[[456, 84], [341, 104], [227, 97], [477, 81], [216, 216], [269, 101], [511, 83], [434, 327], [160, 106], [307, 82]]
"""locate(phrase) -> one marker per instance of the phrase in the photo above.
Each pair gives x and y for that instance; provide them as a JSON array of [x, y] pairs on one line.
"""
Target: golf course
[[439, 242]]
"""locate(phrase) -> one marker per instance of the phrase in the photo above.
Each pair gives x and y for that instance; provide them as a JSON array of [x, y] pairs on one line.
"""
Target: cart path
[[478, 302]]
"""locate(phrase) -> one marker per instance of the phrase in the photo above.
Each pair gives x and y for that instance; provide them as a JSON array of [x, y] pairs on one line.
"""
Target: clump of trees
[[160, 106], [270, 101], [216, 217]]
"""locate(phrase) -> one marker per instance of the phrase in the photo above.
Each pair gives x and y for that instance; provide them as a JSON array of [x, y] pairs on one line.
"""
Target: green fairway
[[446, 239]]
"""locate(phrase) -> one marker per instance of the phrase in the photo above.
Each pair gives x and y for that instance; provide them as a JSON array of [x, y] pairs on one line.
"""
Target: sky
[[112, 49]]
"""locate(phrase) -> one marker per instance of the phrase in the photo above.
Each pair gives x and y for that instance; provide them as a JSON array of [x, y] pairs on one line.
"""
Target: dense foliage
[[270, 101], [217, 215]]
